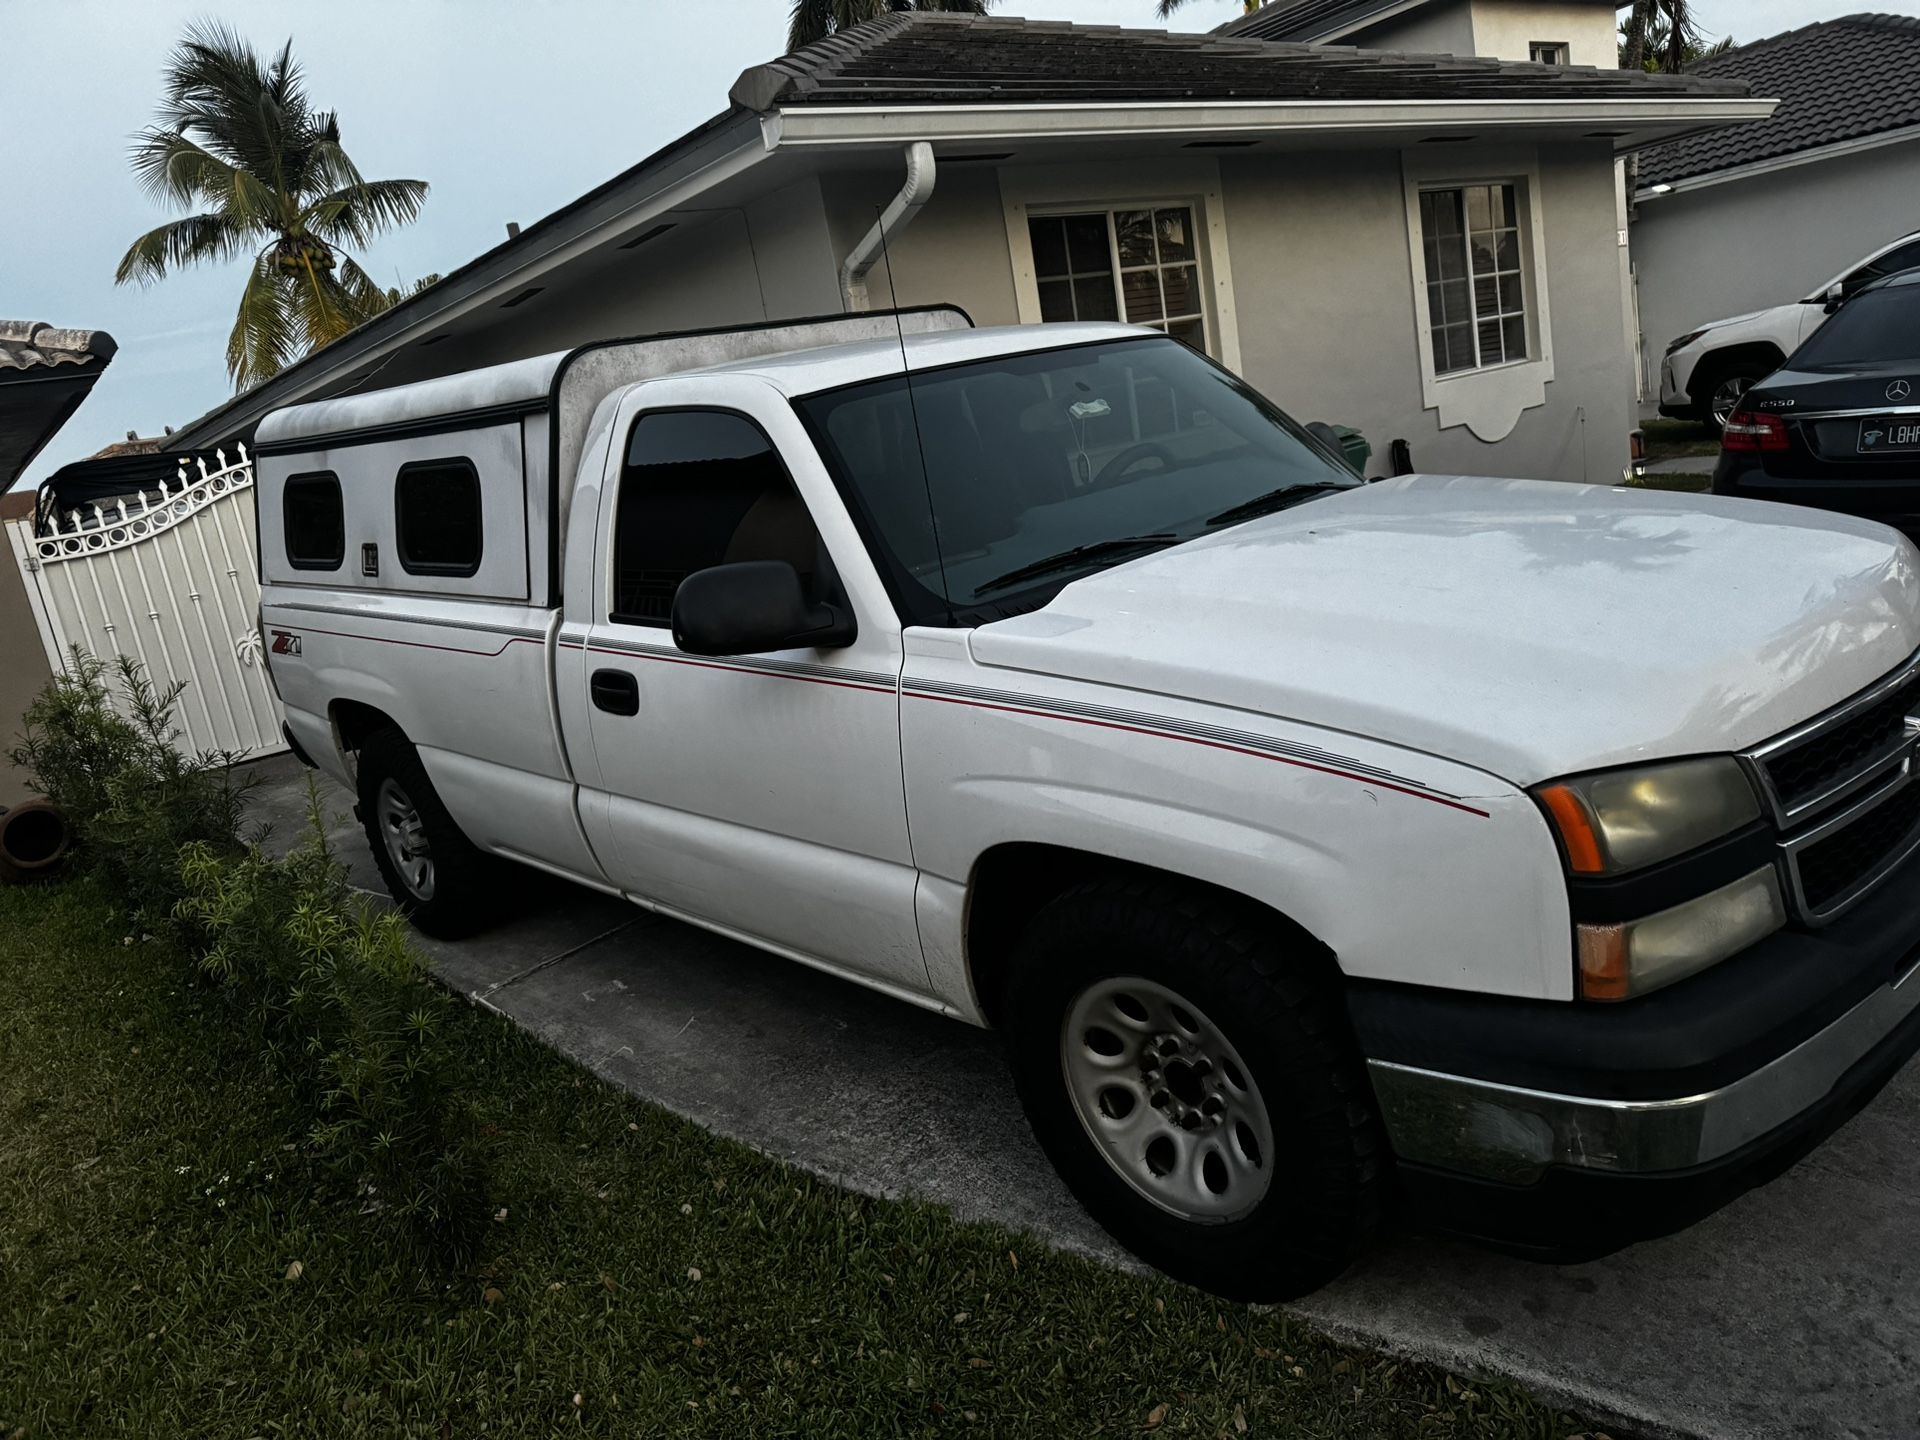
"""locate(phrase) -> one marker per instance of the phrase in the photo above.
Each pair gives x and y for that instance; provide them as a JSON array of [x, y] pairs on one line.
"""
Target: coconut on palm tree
[[237, 139], [813, 20]]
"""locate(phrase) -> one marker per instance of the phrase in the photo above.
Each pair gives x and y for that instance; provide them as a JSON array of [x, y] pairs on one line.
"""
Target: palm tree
[[1166, 8], [237, 140], [813, 20], [1660, 35]]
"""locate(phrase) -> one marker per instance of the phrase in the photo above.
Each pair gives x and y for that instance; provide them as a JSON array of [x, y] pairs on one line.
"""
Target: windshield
[[1042, 467], [1871, 329]]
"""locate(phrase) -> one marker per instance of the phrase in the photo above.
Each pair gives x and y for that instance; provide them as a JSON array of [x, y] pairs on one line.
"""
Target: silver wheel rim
[[1726, 398], [406, 841], [1167, 1100]]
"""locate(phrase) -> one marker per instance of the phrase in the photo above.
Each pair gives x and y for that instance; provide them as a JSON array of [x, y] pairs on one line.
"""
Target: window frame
[[826, 578], [1117, 270], [326, 477], [1526, 312], [1193, 180], [1488, 401], [1560, 52], [430, 567]]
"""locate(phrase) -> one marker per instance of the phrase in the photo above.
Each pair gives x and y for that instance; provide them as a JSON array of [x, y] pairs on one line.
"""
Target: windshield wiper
[[1274, 500], [1067, 559]]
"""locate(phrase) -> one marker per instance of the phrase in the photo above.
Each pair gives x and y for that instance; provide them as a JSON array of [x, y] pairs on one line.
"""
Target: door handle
[[615, 691]]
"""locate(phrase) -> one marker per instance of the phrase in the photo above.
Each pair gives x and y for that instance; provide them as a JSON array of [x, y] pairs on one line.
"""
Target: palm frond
[[181, 242], [811, 20], [354, 215], [365, 296], [262, 340]]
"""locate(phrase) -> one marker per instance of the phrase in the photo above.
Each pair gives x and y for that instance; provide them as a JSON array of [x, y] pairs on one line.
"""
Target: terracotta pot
[[33, 840]]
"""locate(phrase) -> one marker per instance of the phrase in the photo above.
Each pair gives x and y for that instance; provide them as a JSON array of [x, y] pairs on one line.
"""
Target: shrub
[[132, 797], [339, 1004]]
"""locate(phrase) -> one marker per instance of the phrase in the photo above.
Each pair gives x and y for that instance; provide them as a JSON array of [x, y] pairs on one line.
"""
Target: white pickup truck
[[1538, 857]]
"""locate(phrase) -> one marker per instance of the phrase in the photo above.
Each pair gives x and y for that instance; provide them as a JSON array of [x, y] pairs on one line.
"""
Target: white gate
[[169, 578]]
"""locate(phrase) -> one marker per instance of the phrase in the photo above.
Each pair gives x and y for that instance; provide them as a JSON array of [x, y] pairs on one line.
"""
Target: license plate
[[1889, 436]]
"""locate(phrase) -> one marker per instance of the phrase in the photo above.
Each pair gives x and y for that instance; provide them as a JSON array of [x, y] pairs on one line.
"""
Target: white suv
[[1707, 370]]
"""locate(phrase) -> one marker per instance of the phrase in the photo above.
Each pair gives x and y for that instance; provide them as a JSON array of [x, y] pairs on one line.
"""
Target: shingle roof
[[44, 375], [1839, 80], [935, 58]]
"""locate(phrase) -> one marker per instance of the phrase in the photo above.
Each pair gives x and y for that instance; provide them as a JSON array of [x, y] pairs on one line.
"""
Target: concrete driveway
[[1793, 1312]]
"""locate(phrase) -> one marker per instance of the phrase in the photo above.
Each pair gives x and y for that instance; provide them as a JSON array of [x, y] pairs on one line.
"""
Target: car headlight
[[1620, 820], [1684, 341]]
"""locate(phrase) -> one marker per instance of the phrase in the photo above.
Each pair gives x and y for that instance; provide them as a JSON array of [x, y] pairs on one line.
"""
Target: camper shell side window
[[436, 517], [314, 522]]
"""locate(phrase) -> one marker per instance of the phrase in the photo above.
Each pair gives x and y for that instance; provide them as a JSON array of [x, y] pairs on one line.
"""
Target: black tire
[[459, 897], [1713, 374], [1280, 1009]]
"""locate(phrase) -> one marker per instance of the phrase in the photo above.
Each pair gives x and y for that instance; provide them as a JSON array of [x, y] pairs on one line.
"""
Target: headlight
[[1619, 962], [1684, 341], [1621, 820]]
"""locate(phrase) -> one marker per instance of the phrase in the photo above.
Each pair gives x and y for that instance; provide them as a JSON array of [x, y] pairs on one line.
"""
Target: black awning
[[98, 482]]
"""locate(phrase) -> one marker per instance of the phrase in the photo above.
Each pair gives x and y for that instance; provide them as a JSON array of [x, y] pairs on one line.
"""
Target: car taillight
[[1749, 430]]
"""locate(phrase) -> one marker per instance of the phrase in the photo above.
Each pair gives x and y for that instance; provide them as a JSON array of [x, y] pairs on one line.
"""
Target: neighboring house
[[1423, 247], [1765, 215], [44, 375], [1549, 32]]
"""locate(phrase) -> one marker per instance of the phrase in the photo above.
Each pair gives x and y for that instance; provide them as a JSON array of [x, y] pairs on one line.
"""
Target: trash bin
[[1355, 447]]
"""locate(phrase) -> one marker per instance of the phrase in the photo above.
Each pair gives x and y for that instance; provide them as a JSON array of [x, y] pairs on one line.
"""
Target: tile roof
[[1839, 80], [935, 58], [1278, 20], [31, 344]]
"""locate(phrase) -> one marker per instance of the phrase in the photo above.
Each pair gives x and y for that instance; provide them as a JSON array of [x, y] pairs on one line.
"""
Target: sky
[[508, 109]]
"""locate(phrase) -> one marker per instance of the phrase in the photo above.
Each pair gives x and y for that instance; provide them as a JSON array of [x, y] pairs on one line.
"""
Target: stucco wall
[[1709, 254], [23, 670], [1501, 29], [1322, 290]]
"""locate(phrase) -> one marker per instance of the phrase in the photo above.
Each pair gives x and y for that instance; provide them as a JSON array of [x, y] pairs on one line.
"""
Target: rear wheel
[[1192, 1076], [434, 873]]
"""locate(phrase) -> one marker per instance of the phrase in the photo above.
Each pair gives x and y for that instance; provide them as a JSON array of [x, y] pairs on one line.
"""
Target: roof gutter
[[1663, 118], [895, 218]]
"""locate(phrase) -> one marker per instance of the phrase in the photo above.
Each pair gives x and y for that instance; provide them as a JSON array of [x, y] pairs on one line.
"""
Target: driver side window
[[1901, 257], [702, 488]]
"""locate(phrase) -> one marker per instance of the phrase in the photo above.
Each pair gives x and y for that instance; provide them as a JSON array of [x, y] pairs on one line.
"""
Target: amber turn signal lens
[[1606, 972], [1575, 824]]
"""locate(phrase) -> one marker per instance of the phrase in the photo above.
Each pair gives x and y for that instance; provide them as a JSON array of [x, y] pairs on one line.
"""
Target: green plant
[[132, 796], [340, 1005]]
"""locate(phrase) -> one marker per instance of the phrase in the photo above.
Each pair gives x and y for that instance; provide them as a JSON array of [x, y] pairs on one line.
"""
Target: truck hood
[[1529, 629]]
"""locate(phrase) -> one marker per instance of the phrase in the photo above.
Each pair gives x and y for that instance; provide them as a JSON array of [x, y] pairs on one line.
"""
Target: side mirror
[[750, 608], [1836, 296]]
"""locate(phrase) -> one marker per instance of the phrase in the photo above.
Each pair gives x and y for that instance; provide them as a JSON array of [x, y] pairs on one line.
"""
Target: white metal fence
[[169, 578]]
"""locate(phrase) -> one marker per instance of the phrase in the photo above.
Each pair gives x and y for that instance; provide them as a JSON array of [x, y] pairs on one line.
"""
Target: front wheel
[[1720, 390], [1193, 1078]]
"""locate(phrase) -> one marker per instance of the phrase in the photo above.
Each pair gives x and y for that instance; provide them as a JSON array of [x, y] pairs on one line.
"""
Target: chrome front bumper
[[1514, 1136]]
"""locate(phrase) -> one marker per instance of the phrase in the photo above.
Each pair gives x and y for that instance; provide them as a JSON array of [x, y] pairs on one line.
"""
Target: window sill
[[1489, 402]]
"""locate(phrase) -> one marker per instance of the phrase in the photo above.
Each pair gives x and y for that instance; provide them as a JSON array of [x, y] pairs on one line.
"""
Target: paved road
[[1793, 1312]]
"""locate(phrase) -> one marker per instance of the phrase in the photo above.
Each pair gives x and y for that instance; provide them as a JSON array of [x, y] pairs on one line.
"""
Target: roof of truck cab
[[828, 367], [523, 386]]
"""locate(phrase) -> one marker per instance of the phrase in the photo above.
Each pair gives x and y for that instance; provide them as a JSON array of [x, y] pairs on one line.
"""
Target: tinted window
[[1029, 456], [701, 488], [436, 508], [1879, 326], [315, 523]]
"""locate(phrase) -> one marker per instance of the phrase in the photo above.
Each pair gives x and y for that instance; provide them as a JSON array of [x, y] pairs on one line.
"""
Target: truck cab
[[1542, 855]]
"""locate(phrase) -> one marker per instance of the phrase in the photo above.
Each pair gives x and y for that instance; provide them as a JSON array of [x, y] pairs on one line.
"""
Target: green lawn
[[1680, 439], [644, 1278]]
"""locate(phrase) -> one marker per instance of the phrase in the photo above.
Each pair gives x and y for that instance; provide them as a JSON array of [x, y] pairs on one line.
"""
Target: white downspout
[[895, 218]]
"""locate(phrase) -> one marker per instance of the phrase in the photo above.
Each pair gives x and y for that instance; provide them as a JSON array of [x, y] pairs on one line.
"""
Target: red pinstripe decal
[[1209, 744]]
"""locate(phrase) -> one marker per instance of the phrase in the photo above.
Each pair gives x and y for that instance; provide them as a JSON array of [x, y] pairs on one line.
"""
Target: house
[[1423, 246], [1768, 214], [1548, 32]]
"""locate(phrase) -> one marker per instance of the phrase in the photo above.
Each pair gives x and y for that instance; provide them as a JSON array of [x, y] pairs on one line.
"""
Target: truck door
[[762, 794]]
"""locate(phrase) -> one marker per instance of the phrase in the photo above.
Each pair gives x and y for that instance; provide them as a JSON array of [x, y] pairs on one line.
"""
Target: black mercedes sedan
[[1838, 426]]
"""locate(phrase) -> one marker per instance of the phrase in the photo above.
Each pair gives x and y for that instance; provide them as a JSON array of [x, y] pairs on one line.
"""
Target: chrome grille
[[1844, 792]]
